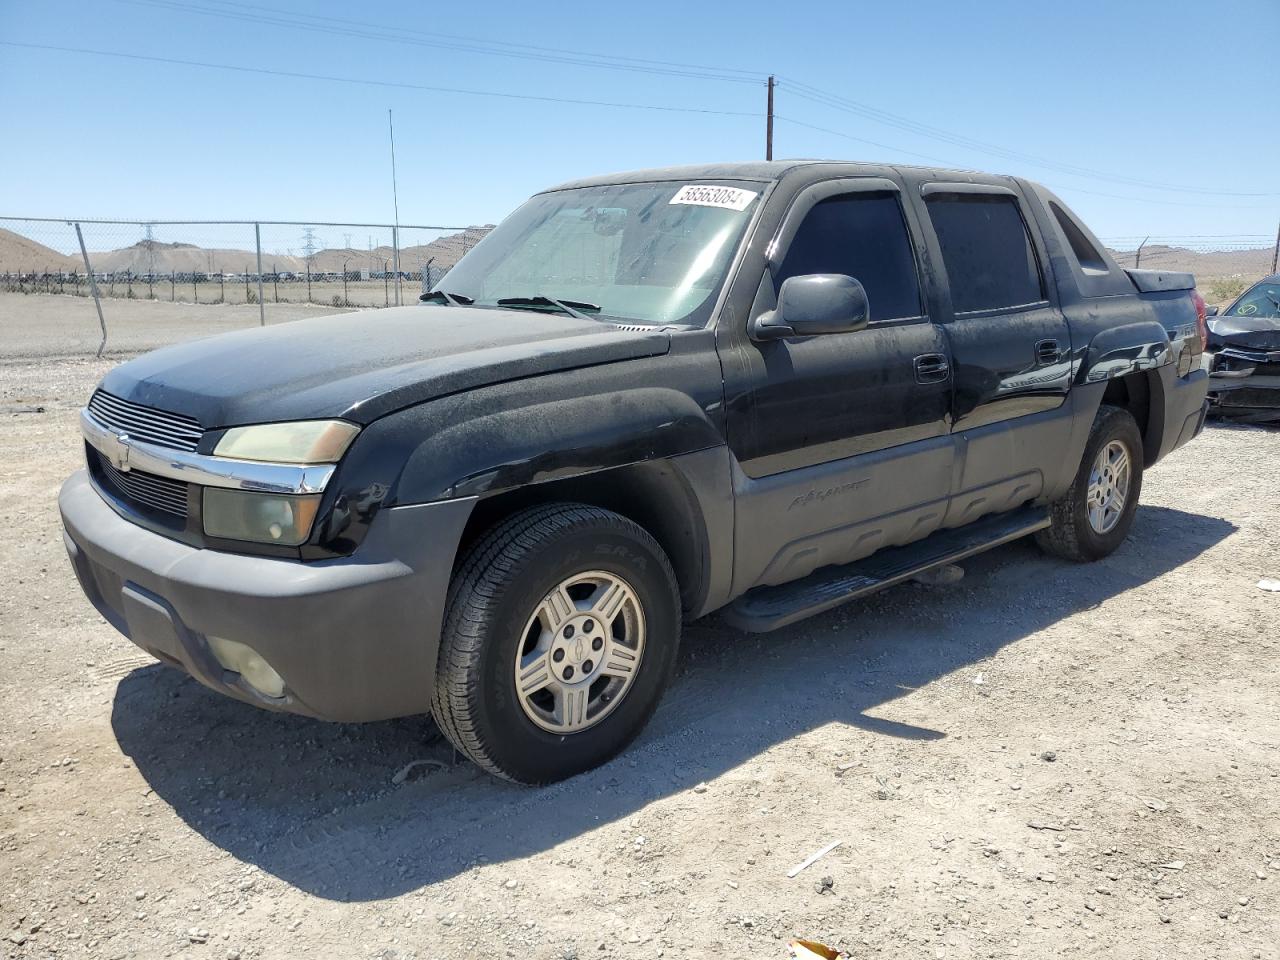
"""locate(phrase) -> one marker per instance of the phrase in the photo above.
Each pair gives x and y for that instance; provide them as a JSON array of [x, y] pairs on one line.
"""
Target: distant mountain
[[151, 256], [1250, 264], [22, 254], [19, 254]]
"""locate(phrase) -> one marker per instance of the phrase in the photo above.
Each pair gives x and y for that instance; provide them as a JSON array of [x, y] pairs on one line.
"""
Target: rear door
[[843, 438], [1009, 341]]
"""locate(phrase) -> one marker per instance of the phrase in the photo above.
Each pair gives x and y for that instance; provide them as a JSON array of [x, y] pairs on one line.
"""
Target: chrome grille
[[172, 430], [158, 493]]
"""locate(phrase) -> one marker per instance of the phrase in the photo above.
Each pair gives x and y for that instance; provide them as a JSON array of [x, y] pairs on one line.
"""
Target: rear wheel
[[1094, 516], [560, 636]]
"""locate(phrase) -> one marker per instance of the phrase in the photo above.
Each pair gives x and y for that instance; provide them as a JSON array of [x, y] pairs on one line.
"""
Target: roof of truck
[[749, 170]]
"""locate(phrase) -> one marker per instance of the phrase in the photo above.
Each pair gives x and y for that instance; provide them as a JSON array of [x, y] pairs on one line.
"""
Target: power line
[[644, 106], [348, 28], [174, 61], [1060, 188], [873, 143], [519, 45], [837, 102]]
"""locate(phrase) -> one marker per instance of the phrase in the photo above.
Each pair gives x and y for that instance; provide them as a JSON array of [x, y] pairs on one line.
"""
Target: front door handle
[[932, 368], [1047, 352]]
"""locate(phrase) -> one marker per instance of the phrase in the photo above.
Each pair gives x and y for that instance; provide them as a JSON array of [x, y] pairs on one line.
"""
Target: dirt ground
[[1041, 760], [52, 326]]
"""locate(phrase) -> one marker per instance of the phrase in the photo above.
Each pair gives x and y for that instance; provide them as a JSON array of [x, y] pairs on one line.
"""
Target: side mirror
[[814, 304], [1210, 311]]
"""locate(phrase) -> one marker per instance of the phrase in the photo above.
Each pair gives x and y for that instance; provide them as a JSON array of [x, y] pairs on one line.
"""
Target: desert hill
[[19, 254], [22, 254]]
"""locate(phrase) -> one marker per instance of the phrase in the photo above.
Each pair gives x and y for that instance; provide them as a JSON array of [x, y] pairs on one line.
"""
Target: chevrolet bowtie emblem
[[117, 451]]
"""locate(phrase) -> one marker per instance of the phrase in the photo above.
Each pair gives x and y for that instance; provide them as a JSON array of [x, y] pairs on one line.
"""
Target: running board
[[768, 608]]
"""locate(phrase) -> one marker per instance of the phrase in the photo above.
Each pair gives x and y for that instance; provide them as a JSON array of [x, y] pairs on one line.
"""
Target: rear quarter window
[[1088, 255]]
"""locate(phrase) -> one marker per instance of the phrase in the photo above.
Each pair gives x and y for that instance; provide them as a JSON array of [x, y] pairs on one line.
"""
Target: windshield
[[646, 252], [1262, 301]]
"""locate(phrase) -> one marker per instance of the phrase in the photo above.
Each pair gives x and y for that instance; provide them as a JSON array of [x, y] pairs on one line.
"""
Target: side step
[[768, 608]]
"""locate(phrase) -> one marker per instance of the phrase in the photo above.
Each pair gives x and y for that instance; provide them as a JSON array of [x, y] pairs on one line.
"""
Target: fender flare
[[1120, 351], [496, 451]]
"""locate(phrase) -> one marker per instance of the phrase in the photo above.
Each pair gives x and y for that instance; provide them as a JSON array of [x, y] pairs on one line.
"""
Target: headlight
[[259, 517], [307, 441]]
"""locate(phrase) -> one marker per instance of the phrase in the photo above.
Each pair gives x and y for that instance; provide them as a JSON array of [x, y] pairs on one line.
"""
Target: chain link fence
[[1223, 265], [70, 287], [156, 282]]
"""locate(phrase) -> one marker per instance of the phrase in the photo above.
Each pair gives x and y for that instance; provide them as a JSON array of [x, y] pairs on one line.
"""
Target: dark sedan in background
[[1243, 354]]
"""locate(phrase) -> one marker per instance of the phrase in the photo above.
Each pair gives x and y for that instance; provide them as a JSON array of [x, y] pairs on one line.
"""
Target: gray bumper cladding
[[354, 638]]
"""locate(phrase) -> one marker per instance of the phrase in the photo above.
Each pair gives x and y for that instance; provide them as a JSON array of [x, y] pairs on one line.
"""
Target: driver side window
[[862, 235]]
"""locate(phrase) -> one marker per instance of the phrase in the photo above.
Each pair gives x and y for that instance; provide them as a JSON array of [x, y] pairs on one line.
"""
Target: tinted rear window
[[986, 250], [864, 236]]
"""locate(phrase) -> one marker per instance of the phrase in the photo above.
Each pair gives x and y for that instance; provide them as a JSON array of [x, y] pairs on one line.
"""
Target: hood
[[1250, 333], [361, 366]]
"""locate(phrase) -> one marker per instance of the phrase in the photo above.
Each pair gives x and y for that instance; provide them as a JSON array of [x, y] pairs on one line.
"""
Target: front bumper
[[354, 638], [1244, 384]]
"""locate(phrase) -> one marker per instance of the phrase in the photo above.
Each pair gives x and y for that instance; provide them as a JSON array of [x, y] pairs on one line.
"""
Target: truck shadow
[[315, 804]]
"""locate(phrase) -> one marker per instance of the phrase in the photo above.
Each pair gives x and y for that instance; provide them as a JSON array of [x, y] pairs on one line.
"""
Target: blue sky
[[1176, 94]]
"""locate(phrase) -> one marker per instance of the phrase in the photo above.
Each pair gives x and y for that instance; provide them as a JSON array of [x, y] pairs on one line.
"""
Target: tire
[[1072, 534], [504, 602]]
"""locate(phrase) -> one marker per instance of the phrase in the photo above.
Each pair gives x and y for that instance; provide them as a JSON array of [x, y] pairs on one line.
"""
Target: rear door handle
[[1047, 352], [932, 368]]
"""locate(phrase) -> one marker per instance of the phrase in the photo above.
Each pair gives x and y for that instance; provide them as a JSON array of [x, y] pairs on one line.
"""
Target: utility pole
[[768, 124]]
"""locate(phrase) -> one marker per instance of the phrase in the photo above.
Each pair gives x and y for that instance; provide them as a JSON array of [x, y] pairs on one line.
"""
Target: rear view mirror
[[814, 304], [1210, 311]]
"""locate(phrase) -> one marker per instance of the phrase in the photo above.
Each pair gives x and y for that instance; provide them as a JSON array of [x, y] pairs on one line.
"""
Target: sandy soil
[[1042, 760]]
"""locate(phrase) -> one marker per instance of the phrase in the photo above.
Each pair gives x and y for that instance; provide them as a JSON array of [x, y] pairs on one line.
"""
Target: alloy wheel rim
[[1109, 486], [580, 652]]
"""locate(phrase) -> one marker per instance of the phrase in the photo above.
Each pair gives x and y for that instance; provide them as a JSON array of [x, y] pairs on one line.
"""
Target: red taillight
[[1202, 323]]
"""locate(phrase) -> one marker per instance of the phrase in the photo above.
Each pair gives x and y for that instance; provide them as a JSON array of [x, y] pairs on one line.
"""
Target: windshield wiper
[[571, 307], [448, 299]]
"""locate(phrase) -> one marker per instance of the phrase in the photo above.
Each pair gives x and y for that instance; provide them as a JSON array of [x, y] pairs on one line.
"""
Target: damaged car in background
[[1243, 354]]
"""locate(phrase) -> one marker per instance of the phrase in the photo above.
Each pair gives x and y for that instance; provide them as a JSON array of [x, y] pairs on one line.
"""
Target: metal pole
[[395, 199], [395, 247], [768, 127], [262, 304], [346, 302], [93, 285], [1275, 255], [1137, 257]]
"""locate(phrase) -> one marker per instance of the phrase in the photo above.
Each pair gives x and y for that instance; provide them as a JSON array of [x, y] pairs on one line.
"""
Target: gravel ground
[[1040, 760], [51, 326]]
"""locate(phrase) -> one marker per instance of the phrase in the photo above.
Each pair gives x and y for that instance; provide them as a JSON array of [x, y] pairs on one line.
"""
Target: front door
[[843, 439]]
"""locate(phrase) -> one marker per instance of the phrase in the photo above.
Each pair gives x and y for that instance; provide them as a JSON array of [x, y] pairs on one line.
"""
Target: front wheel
[[561, 633], [1093, 517]]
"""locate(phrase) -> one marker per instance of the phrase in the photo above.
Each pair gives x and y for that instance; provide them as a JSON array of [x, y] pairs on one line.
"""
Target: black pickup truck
[[760, 388]]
